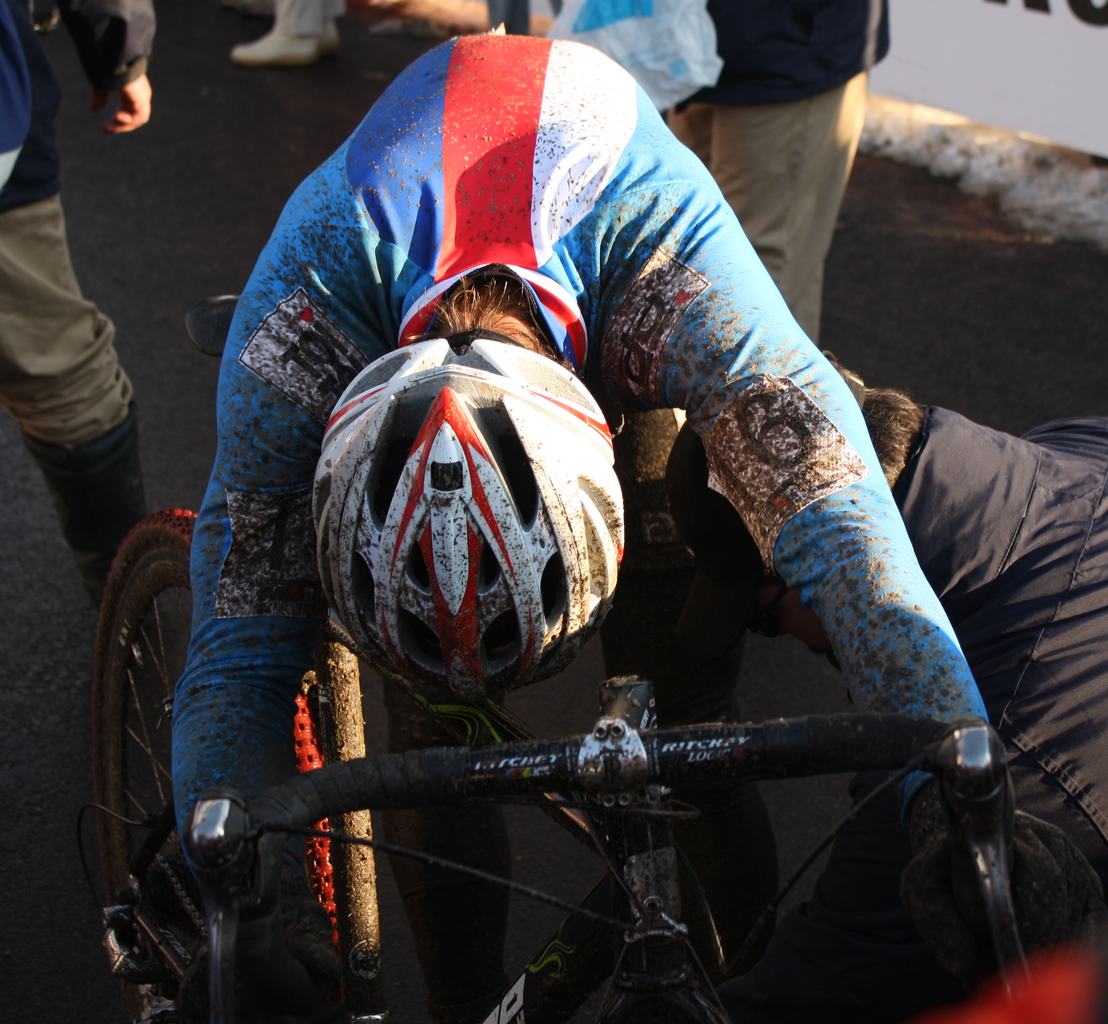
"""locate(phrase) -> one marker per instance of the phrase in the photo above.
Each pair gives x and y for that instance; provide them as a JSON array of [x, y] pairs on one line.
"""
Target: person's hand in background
[[133, 110]]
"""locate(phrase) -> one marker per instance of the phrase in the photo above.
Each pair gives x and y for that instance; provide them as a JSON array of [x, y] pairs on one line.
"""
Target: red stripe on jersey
[[494, 89]]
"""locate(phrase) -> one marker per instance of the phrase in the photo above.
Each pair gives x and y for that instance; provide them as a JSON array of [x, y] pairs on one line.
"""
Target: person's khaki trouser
[[60, 377], [783, 167]]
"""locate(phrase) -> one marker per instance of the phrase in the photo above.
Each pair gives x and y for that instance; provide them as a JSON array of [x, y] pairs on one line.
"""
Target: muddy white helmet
[[469, 520]]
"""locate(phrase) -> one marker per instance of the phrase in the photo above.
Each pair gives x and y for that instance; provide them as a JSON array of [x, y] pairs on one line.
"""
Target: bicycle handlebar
[[612, 758]]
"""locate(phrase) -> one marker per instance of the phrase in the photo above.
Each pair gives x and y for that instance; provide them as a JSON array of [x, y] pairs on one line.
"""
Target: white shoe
[[276, 49]]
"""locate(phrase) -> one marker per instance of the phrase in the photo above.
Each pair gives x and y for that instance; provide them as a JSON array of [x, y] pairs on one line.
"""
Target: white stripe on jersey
[[579, 141]]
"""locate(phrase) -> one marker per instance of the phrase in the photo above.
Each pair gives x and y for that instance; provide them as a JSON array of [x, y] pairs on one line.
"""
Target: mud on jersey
[[546, 157]]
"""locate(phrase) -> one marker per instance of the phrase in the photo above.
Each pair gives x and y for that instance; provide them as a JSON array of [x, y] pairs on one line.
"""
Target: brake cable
[[770, 909], [443, 862]]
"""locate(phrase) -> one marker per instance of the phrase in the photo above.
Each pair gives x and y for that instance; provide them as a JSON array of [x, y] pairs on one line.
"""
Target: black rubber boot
[[98, 493]]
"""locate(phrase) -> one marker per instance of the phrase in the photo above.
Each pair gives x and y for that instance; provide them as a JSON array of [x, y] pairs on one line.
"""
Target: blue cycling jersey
[[545, 157]]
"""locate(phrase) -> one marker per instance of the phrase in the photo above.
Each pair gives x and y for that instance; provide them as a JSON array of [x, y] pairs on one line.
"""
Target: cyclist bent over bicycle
[[469, 524]]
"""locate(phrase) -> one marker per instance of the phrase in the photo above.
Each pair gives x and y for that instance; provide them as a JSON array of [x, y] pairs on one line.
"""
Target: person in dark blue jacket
[[1012, 533], [15, 95], [60, 378], [780, 128]]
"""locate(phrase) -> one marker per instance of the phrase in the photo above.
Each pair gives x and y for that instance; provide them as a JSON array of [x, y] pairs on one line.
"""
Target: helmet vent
[[554, 588], [490, 567], [322, 491], [501, 639], [417, 569], [519, 477], [361, 582], [392, 465], [446, 476], [419, 641]]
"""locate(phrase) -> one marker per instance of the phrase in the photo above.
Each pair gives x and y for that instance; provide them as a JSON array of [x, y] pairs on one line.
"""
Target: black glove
[[1058, 897], [303, 929]]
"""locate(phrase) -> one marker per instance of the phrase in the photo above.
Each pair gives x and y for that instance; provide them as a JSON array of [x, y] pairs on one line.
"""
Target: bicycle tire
[[141, 640], [141, 643]]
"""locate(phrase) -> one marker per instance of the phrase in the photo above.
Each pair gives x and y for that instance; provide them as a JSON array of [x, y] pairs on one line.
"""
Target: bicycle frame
[[155, 913], [614, 759]]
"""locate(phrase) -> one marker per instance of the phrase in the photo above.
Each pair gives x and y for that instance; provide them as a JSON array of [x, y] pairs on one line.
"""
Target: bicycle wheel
[[154, 916]]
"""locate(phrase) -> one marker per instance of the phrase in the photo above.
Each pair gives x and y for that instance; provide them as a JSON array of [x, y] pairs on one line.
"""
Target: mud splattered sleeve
[[317, 307], [691, 319]]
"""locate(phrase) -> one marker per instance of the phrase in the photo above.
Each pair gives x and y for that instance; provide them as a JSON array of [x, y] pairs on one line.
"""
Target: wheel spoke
[[182, 615], [156, 656], [134, 801], [144, 742], [155, 762], [163, 662]]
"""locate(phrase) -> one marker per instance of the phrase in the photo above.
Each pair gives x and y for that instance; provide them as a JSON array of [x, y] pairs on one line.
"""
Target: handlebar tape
[[411, 779], [826, 744]]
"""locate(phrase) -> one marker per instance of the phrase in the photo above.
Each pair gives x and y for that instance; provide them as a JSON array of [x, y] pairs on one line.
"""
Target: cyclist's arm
[[694, 321], [314, 311]]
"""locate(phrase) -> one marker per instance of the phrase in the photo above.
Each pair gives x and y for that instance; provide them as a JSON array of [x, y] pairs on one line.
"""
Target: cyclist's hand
[[1057, 895], [305, 933]]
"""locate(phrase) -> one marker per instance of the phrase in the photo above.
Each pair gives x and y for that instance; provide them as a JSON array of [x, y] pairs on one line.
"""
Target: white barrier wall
[[1037, 66]]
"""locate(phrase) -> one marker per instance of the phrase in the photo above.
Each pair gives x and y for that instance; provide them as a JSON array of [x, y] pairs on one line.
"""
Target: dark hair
[[894, 419], [895, 423]]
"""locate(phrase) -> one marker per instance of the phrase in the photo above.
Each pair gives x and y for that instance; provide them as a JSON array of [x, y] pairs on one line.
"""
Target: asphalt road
[[926, 288]]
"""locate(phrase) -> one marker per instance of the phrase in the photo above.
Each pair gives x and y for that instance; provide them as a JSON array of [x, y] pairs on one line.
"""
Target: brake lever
[[975, 784], [220, 847]]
